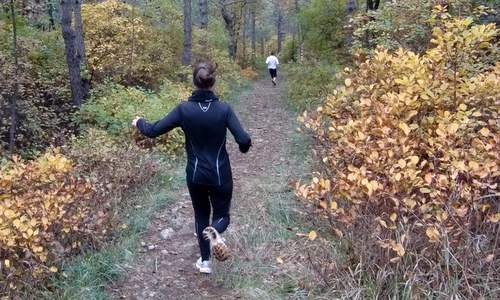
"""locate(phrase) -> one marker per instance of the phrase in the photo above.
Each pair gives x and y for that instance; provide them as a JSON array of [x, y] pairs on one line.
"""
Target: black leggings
[[204, 198]]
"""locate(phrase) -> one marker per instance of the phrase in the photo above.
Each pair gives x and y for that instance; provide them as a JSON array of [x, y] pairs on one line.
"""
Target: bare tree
[[254, 35], [299, 42], [186, 53], [203, 7], [372, 4], [15, 94], [50, 12], [351, 7], [230, 24], [232, 12], [80, 44], [74, 63], [262, 46], [244, 39], [279, 26]]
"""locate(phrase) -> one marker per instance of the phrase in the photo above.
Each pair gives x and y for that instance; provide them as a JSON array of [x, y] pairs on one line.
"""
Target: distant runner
[[272, 64]]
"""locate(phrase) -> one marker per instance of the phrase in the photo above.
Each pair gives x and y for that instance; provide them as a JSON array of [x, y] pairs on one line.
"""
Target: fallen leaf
[[400, 250], [312, 235], [393, 217], [403, 126], [433, 234], [484, 131], [494, 218]]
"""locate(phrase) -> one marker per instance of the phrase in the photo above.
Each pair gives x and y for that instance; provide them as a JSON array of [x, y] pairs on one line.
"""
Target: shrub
[[114, 166], [44, 215], [396, 24], [322, 25], [42, 104], [289, 52], [410, 163], [249, 73], [405, 24], [65, 202], [122, 43], [309, 84], [112, 107]]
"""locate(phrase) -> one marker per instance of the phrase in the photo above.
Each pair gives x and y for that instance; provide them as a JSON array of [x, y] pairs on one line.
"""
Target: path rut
[[167, 271]]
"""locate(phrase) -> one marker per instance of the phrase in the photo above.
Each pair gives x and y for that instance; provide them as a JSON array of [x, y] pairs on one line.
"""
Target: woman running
[[205, 120]]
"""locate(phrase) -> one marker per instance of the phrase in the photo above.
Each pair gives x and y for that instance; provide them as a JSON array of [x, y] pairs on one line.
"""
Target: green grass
[[308, 85], [268, 232], [87, 276]]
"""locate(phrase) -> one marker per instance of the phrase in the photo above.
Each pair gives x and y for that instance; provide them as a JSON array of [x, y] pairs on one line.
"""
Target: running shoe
[[204, 266], [219, 249]]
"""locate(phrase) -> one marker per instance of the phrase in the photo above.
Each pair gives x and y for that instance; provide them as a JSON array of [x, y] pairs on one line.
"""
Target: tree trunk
[[230, 24], [186, 53], [244, 40], [299, 32], [351, 7], [80, 44], [203, 6], [254, 36], [372, 4], [262, 46], [15, 94], [50, 11], [75, 79], [279, 24]]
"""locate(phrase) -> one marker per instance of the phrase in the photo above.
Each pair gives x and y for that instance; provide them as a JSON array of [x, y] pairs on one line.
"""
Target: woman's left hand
[[134, 122]]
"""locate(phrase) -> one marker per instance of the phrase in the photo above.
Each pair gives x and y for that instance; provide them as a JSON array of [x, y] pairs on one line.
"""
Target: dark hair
[[272, 52], [204, 74]]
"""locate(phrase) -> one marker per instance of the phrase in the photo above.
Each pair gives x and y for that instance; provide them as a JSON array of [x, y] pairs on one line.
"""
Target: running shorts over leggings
[[273, 72]]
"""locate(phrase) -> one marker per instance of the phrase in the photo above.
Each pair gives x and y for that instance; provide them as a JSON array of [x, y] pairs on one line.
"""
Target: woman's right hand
[[134, 121]]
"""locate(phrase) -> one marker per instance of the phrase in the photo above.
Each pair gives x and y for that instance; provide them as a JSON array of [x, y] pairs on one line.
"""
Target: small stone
[[143, 244], [166, 233], [151, 247], [164, 252]]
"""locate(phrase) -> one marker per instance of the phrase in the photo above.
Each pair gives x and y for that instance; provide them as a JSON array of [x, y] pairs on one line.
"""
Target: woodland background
[[400, 98]]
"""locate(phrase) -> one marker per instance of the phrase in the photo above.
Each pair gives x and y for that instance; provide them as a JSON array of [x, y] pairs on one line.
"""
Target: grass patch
[[269, 232], [308, 85], [87, 276]]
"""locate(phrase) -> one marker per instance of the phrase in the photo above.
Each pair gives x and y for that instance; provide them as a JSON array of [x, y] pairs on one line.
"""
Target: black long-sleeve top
[[204, 120]]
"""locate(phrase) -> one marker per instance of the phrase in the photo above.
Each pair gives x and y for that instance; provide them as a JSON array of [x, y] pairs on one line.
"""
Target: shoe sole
[[219, 249]]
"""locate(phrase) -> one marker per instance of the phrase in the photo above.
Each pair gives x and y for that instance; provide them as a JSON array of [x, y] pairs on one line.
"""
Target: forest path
[[166, 270]]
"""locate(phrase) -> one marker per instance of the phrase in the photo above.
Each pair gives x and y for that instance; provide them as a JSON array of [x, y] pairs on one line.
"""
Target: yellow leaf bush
[[44, 214], [68, 200], [249, 73], [124, 44], [410, 152]]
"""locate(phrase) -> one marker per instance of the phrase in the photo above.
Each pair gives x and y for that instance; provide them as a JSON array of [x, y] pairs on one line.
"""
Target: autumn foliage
[[44, 213], [63, 203], [410, 152], [124, 44]]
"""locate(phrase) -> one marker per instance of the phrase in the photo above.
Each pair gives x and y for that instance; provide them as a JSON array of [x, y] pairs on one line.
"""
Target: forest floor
[[265, 220]]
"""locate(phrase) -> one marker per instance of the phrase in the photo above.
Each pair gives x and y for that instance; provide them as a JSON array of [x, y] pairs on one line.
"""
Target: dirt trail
[[167, 271]]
